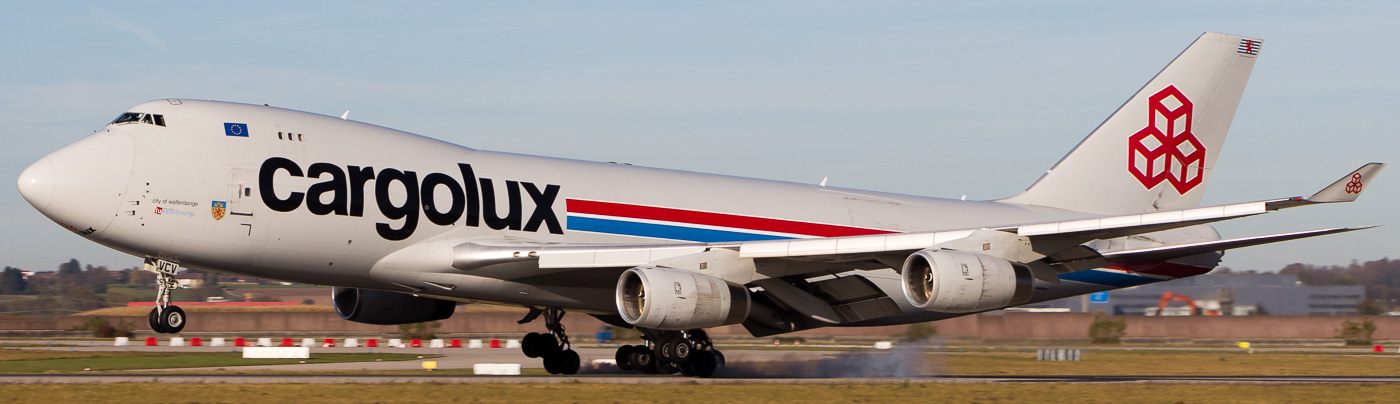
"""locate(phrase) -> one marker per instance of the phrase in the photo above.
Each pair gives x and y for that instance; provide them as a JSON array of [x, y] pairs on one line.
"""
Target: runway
[[747, 365], [187, 378]]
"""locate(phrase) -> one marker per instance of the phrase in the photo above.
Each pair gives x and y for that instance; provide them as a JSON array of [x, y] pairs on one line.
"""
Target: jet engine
[[382, 307], [669, 299], [962, 282]]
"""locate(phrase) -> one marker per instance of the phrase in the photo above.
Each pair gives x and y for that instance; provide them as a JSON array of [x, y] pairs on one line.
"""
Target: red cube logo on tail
[[1355, 185], [1166, 150]]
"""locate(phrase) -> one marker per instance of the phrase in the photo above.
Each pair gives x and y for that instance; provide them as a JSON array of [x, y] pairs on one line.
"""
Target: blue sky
[[925, 98]]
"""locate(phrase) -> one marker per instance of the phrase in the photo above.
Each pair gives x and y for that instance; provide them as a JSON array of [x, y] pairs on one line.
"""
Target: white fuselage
[[308, 198]]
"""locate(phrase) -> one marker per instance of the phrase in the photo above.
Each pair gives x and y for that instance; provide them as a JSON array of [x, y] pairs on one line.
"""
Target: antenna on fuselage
[[345, 115], [823, 183]]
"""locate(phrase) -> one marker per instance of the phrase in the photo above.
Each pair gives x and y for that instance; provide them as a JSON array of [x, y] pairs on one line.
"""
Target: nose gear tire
[[154, 319], [172, 319]]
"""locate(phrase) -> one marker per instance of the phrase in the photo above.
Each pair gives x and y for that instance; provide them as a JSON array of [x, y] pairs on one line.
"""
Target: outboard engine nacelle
[[961, 282], [381, 307], [670, 299]]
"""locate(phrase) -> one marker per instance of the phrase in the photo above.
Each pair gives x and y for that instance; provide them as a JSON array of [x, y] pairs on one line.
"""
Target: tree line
[[72, 288], [1381, 278]]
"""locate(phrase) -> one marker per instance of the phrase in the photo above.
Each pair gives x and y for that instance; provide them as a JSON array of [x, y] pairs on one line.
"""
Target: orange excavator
[[1169, 296]]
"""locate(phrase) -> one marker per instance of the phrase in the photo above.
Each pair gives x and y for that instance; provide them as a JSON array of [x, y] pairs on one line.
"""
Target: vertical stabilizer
[[1158, 150]]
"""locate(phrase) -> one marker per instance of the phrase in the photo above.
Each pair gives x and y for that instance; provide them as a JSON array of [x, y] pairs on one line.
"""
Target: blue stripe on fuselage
[[1108, 278], [597, 225]]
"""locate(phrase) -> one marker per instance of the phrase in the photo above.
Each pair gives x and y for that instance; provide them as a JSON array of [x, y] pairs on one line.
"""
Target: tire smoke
[[900, 362]]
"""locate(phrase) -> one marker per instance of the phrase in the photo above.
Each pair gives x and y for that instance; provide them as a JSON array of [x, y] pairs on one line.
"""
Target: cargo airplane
[[405, 227]]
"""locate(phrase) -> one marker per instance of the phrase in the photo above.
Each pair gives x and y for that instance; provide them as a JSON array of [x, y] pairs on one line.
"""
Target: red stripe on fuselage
[[715, 219]]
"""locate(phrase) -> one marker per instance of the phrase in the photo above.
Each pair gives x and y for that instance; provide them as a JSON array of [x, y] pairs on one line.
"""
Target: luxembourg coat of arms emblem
[[218, 209]]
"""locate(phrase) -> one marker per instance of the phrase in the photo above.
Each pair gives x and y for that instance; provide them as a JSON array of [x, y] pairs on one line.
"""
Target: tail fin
[[1158, 150]]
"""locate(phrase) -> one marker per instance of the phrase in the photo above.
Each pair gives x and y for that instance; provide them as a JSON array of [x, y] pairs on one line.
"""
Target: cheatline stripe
[[739, 222], [1107, 278], [654, 230], [573, 215], [1119, 277]]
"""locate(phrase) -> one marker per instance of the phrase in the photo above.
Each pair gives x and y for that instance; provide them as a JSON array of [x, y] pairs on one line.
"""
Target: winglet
[[1349, 187], [1346, 189]]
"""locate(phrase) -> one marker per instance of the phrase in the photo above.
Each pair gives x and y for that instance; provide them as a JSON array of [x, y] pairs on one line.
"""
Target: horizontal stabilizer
[[1159, 254]]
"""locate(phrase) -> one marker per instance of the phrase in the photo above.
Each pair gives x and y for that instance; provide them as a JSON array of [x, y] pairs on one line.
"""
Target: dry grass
[[612, 393]]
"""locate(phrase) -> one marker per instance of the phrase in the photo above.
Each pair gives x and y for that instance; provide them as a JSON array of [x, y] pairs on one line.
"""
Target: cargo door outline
[[240, 196]]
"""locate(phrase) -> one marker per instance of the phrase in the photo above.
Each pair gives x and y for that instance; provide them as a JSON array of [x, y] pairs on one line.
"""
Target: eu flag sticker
[[236, 129]]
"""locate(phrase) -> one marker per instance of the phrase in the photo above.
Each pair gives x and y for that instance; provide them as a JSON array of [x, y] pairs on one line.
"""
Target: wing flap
[[1159, 254]]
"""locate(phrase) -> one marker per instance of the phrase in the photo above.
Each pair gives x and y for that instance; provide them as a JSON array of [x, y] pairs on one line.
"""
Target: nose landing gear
[[165, 317]]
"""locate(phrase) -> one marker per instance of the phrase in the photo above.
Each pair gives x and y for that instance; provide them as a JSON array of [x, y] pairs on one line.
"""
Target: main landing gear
[[554, 347], [689, 352], [165, 317]]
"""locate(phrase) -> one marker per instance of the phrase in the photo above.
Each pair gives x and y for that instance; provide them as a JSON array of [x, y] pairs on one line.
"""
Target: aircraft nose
[[82, 185], [36, 184]]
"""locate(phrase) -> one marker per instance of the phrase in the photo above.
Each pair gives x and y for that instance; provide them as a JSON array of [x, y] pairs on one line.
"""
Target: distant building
[[1230, 294], [189, 279]]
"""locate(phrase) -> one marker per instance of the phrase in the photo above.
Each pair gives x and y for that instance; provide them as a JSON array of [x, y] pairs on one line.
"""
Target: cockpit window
[[137, 117], [127, 117]]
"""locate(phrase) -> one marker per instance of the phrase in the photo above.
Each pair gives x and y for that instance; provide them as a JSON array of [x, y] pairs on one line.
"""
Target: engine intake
[[961, 282], [669, 299], [382, 307]]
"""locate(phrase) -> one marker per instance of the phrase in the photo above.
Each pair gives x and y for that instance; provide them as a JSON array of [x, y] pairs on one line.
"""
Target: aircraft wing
[[1056, 243]]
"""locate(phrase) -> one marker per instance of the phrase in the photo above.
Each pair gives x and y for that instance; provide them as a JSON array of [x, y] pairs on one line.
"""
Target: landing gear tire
[[688, 352], [624, 357], [527, 345], [680, 350], [704, 363], [551, 364], [668, 367], [154, 319], [562, 363], [172, 319], [545, 345], [568, 361], [643, 360], [554, 347], [665, 351]]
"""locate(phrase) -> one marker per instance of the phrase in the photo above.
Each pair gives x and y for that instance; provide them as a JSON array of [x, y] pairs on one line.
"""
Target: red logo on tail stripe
[[1166, 150], [1354, 186]]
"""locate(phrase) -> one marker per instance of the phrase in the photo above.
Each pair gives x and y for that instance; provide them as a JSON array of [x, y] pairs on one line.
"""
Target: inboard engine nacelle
[[382, 307], [669, 299], [961, 282]]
